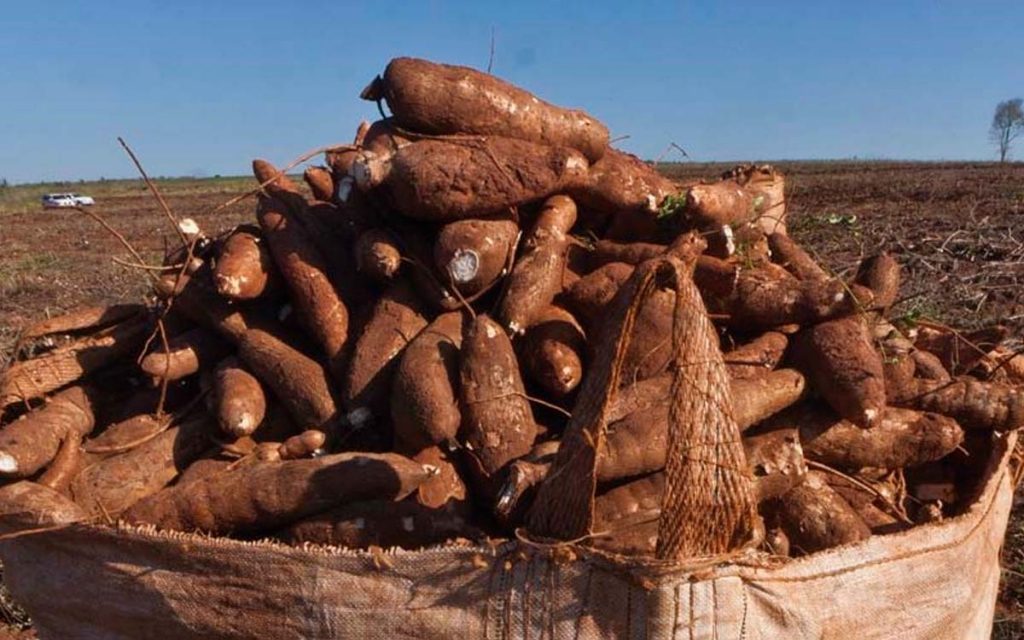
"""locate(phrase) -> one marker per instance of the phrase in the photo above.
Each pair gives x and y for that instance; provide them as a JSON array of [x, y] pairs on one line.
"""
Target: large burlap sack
[[933, 581]]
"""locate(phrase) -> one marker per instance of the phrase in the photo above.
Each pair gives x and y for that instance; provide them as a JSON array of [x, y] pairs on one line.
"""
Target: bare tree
[[1007, 125]]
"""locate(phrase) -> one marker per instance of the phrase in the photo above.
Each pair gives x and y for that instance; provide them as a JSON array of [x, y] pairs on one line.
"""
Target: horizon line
[[734, 162]]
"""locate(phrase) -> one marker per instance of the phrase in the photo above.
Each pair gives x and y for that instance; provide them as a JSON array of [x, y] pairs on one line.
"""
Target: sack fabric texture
[[933, 581]]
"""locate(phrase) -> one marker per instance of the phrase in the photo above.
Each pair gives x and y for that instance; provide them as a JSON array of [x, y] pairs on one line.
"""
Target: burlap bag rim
[[875, 550]]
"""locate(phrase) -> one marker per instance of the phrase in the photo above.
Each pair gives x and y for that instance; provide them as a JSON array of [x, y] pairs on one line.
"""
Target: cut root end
[[464, 265], [8, 463]]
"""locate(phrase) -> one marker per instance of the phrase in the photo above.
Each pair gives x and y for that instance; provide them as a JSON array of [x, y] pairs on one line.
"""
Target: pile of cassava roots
[[389, 354]]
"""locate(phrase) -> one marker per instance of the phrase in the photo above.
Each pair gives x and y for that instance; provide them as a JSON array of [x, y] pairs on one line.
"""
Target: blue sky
[[203, 87]]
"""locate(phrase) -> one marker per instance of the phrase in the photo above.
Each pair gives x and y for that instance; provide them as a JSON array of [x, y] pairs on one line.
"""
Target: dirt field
[[54, 259], [957, 228]]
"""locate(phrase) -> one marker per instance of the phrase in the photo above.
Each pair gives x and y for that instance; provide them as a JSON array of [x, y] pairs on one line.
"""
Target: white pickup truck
[[64, 200]]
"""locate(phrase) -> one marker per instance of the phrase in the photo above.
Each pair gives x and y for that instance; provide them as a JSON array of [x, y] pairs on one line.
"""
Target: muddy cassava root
[[536, 278], [425, 392], [244, 270], [448, 99], [472, 254], [238, 501], [29, 444], [240, 402], [492, 175], [840, 360], [304, 271], [497, 423], [396, 319]]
